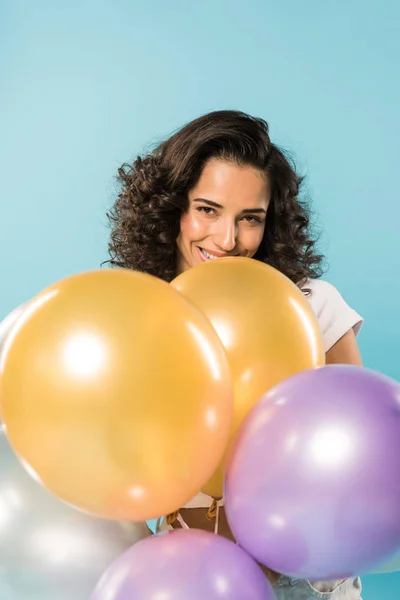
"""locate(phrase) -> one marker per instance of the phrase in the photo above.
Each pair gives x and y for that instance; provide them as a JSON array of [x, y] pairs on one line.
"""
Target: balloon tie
[[212, 511], [212, 514], [176, 516], [216, 517], [172, 517], [182, 522]]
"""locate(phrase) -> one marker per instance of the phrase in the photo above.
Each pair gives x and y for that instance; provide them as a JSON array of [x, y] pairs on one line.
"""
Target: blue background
[[86, 85]]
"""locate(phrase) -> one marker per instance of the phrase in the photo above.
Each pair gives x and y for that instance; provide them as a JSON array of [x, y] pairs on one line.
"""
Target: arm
[[345, 351]]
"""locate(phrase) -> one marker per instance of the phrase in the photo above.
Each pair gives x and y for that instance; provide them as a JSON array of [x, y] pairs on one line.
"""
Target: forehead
[[225, 182]]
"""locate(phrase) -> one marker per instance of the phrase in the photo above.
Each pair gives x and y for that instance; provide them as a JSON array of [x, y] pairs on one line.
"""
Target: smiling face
[[226, 214]]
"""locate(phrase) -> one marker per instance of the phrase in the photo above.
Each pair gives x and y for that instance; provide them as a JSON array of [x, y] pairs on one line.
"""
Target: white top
[[335, 318]]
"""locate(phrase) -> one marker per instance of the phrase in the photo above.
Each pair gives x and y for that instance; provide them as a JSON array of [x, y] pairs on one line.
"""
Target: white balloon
[[49, 550]]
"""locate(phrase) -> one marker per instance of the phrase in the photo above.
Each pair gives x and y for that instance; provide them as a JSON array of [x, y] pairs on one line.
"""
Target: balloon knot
[[212, 511], [172, 517]]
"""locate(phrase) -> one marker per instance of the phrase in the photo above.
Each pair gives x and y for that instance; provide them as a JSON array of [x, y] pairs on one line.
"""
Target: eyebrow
[[216, 205]]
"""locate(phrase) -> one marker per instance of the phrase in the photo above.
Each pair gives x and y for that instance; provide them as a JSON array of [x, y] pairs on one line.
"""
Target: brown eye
[[252, 219], [206, 210]]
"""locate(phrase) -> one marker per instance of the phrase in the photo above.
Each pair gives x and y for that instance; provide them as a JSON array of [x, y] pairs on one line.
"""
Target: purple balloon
[[186, 564], [312, 487]]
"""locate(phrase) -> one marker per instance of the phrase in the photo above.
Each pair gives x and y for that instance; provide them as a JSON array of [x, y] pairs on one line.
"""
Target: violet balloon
[[184, 565], [312, 487]]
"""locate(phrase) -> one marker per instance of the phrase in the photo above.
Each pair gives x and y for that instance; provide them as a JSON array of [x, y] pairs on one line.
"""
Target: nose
[[225, 236]]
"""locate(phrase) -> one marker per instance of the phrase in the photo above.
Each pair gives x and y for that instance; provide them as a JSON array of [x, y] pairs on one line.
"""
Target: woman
[[219, 187]]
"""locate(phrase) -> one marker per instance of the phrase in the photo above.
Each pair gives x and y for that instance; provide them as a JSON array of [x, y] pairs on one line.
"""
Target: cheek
[[192, 228], [252, 239]]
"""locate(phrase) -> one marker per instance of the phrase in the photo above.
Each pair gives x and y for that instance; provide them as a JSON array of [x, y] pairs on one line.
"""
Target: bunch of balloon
[[115, 391], [312, 487], [265, 324]]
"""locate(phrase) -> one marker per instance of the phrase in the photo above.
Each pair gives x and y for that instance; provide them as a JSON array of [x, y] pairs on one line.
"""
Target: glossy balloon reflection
[[49, 550], [265, 323], [390, 566], [6, 327], [312, 487], [8, 323], [184, 565], [116, 391]]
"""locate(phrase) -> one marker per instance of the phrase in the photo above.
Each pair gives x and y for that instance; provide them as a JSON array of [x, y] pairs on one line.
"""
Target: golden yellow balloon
[[116, 392], [265, 323]]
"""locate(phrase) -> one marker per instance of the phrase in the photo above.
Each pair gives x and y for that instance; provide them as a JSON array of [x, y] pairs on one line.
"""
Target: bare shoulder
[[345, 351]]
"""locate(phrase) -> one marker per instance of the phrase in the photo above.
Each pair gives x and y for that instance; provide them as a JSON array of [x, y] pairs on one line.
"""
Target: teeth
[[208, 256]]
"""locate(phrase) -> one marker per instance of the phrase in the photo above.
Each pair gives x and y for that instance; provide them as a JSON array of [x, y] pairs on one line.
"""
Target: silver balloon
[[49, 550]]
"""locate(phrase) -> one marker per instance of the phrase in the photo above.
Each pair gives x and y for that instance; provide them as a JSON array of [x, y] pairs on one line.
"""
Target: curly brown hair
[[145, 219]]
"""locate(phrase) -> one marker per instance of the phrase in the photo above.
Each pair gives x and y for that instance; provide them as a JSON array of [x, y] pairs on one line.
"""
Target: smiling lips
[[211, 255]]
